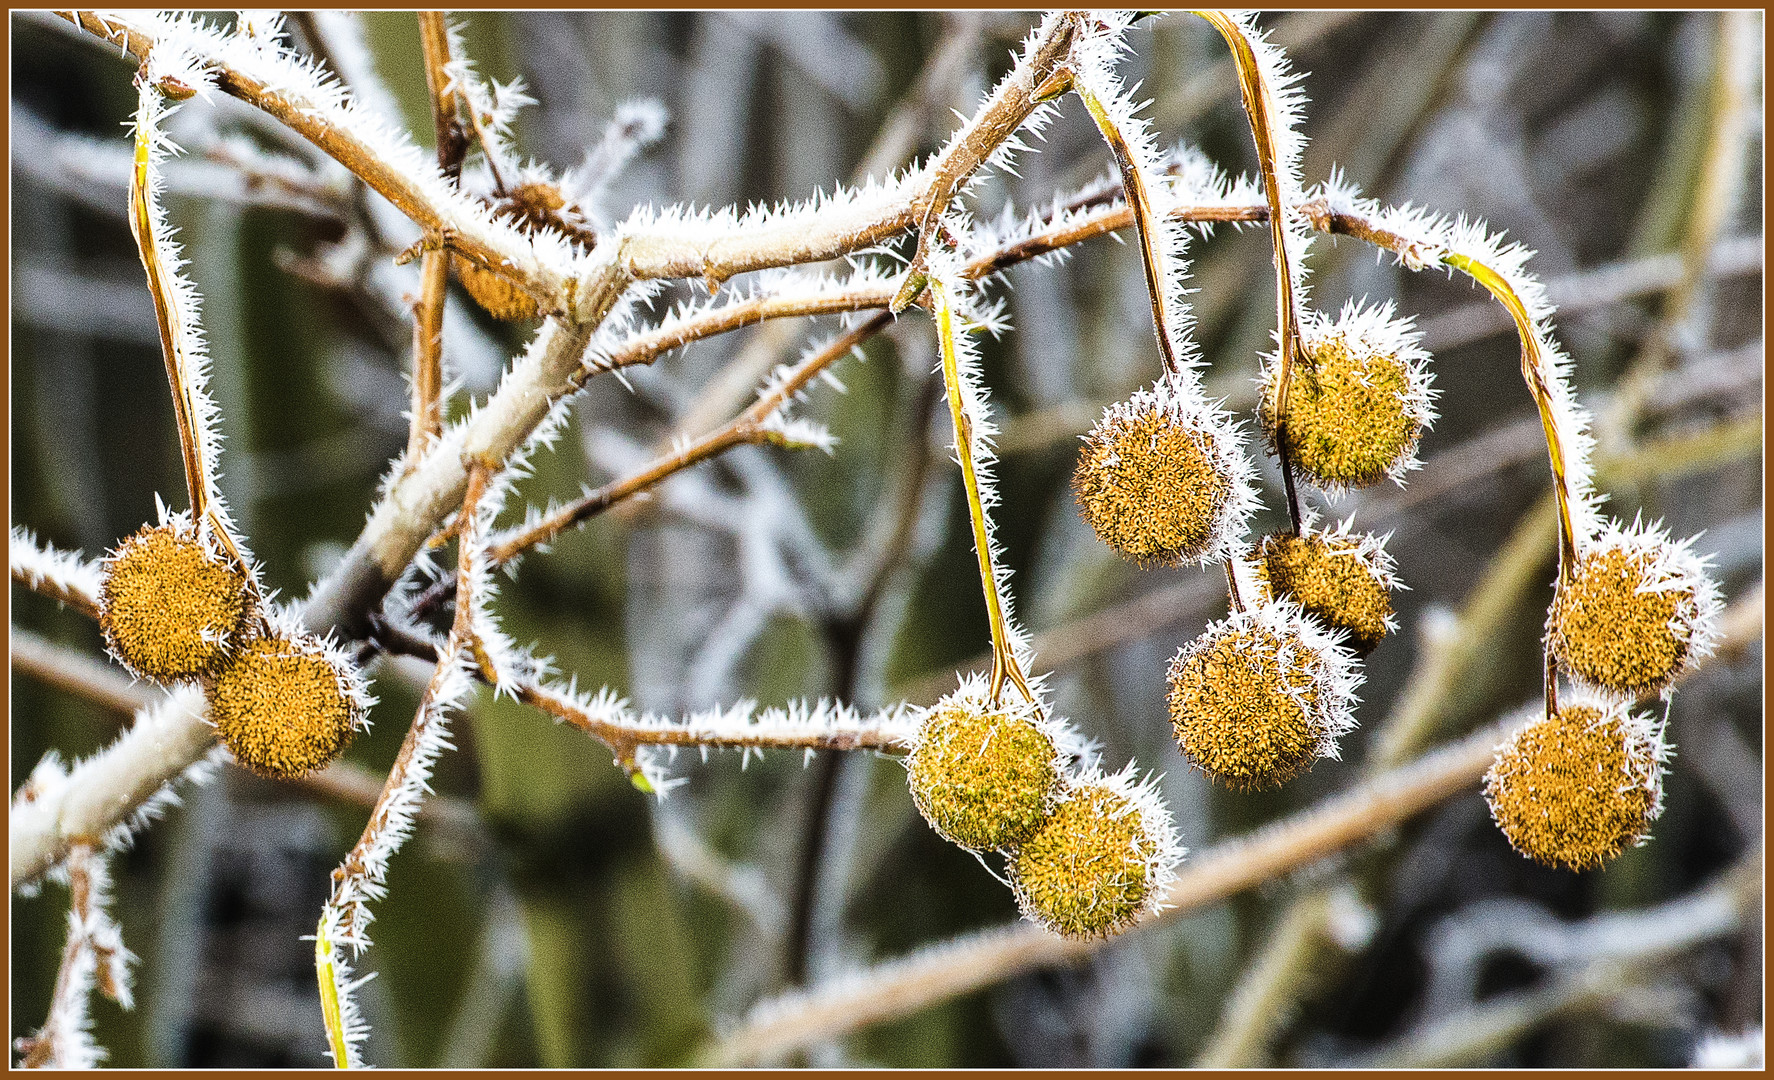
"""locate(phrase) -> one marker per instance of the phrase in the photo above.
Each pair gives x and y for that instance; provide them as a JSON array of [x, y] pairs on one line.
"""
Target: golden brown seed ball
[[502, 299], [1149, 485], [1331, 578], [1086, 873], [982, 777], [1232, 711], [170, 607], [1566, 792], [282, 708], [1349, 418], [1611, 634]]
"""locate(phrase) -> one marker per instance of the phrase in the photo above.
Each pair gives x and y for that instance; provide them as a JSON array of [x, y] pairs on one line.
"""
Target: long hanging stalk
[[1262, 130], [1004, 663], [1139, 200]]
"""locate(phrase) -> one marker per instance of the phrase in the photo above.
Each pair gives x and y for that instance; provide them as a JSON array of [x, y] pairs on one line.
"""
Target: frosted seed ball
[[1335, 577], [1152, 485], [171, 607], [283, 708], [1576, 789], [1608, 629], [1353, 413], [1088, 871], [982, 777], [1260, 696], [502, 299]]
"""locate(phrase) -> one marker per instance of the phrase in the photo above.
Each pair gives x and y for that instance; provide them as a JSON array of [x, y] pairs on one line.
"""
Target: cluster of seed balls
[[1578, 787], [1087, 854], [1262, 694], [175, 609]]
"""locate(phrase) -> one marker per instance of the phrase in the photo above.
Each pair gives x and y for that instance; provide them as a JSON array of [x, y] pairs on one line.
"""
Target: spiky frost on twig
[[93, 956], [59, 805], [1419, 239], [362, 877], [974, 431], [385, 155], [64, 575], [1285, 105]]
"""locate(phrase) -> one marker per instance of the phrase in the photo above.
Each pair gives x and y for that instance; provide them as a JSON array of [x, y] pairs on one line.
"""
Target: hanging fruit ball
[[1358, 400], [1100, 862], [171, 605], [983, 776], [1343, 580], [1162, 482], [1634, 612], [286, 706], [1261, 695], [1578, 788]]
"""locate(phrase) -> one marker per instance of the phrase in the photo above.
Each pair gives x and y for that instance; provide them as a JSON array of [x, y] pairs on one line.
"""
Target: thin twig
[[428, 313], [94, 954], [748, 427]]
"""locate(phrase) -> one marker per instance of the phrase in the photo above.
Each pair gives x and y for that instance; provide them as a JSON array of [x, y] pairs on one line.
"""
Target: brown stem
[[1262, 130]]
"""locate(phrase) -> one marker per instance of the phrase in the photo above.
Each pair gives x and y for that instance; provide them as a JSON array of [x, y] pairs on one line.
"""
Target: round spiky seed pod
[[1261, 695], [1102, 860], [984, 776], [1636, 611], [1162, 481], [172, 605], [1357, 402], [1342, 578], [1579, 787], [287, 705], [502, 299]]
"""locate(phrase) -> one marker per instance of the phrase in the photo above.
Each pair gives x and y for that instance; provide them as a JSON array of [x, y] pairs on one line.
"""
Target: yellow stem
[[1534, 374], [141, 225], [327, 975], [1004, 663]]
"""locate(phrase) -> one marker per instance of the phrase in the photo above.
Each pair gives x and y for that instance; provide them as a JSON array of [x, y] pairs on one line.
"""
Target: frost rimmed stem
[[181, 343], [1258, 102], [360, 877], [94, 955], [1139, 204], [426, 422], [1004, 660]]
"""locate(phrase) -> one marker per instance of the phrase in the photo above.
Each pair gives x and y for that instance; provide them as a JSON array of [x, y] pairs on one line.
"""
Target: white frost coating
[[1286, 105], [57, 804], [42, 565], [1430, 239], [1324, 673], [94, 956], [193, 48], [1668, 567]]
